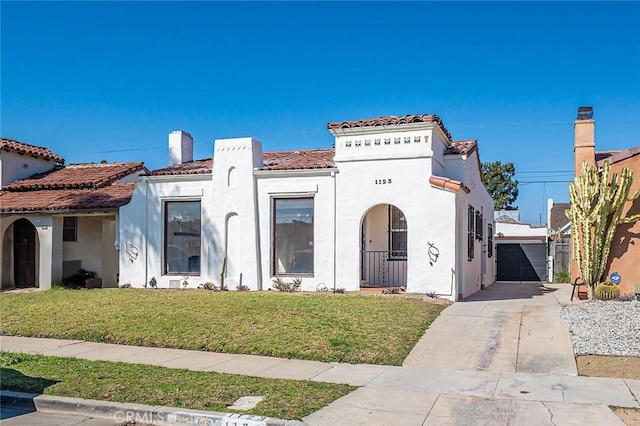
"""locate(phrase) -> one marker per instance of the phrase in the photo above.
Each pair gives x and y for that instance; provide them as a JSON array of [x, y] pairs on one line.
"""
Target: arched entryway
[[24, 254], [383, 248]]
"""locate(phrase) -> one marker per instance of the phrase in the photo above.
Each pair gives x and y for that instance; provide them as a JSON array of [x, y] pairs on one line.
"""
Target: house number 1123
[[382, 181]]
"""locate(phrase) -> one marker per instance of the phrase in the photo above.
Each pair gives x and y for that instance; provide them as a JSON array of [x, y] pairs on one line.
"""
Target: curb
[[128, 412]]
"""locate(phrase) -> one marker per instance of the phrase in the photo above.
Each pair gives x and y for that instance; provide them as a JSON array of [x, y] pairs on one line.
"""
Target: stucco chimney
[[180, 147], [584, 141]]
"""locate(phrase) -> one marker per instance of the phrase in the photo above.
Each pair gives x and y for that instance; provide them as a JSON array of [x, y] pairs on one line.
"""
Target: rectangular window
[[470, 232], [70, 228], [397, 234], [490, 239], [293, 236], [479, 226], [182, 237]]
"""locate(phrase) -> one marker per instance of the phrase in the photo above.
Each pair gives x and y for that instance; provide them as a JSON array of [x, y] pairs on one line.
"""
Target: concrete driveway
[[507, 327]]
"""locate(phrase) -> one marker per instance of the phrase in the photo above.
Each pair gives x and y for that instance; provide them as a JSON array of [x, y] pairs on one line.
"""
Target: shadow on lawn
[[14, 380]]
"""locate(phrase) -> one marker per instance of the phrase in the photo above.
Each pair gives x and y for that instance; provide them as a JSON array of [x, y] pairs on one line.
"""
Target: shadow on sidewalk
[[510, 291]]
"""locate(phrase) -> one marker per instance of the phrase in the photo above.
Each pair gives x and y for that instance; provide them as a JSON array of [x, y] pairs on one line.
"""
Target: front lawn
[[325, 327], [145, 384]]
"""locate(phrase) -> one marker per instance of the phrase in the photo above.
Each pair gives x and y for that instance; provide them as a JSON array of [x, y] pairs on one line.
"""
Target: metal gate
[[382, 269], [521, 262]]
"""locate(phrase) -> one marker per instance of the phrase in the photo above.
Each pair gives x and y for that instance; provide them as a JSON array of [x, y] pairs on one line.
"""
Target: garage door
[[522, 262]]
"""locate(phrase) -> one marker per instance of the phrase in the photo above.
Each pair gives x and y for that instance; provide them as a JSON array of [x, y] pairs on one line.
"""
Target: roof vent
[[585, 113]]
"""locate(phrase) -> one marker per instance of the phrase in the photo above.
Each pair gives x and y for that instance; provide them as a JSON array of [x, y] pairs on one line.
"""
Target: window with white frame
[[397, 234], [182, 227], [292, 236]]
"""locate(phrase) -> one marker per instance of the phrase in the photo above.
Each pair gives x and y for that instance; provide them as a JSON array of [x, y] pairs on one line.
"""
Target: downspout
[[146, 232], [333, 174], [256, 224]]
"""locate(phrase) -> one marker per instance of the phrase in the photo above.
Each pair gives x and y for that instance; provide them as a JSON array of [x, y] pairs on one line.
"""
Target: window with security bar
[[397, 234]]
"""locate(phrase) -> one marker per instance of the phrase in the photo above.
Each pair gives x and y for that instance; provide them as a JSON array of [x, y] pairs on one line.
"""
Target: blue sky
[[94, 81]]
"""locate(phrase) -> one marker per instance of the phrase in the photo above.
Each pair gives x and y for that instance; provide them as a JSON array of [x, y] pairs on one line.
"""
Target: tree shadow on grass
[[14, 381]]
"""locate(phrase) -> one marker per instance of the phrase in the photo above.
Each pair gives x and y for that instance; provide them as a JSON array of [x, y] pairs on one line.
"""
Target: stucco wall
[[625, 251], [320, 187], [88, 248], [480, 271], [14, 166], [141, 228]]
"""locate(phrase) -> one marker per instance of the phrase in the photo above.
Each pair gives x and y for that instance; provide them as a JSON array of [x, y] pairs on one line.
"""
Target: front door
[[24, 253]]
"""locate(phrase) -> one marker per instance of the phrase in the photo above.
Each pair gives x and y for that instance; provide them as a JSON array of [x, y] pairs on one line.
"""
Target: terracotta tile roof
[[447, 183], [303, 159], [389, 121], [616, 156], [557, 218], [107, 198], [26, 149], [464, 147], [196, 167], [77, 176]]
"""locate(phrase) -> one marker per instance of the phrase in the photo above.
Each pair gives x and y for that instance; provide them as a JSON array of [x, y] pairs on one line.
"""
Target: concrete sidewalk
[[509, 362]]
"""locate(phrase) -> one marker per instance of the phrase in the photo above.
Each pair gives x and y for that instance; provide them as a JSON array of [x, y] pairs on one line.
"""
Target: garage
[[521, 262]]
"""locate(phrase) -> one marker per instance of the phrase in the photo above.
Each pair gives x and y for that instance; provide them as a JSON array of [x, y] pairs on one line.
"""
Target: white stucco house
[[395, 203], [56, 219]]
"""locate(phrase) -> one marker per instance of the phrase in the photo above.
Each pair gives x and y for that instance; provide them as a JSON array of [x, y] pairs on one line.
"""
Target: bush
[[78, 279], [563, 277], [287, 287]]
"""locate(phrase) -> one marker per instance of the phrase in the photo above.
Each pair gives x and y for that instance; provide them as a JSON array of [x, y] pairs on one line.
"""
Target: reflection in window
[[293, 236], [182, 237]]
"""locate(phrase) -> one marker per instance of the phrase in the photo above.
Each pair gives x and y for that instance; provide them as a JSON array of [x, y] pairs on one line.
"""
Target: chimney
[[584, 141], [180, 147]]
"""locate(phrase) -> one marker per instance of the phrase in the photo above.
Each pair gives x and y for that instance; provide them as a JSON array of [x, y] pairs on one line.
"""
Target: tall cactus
[[597, 201]]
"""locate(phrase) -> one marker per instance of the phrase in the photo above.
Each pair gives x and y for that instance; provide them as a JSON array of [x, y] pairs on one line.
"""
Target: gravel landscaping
[[604, 328]]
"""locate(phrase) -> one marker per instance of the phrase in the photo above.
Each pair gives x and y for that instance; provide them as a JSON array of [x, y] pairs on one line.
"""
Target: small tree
[[597, 201], [498, 179]]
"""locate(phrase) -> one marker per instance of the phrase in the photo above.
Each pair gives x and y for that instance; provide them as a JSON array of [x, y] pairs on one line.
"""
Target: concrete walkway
[[509, 362]]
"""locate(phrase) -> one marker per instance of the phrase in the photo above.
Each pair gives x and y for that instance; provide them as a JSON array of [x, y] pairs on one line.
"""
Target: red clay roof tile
[[107, 198], [303, 159], [389, 121], [76, 176], [447, 183], [196, 167], [26, 149], [464, 147]]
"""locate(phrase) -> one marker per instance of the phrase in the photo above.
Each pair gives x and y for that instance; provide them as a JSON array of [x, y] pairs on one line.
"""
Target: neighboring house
[[521, 248], [625, 251], [559, 231], [56, 219], [396, 203]]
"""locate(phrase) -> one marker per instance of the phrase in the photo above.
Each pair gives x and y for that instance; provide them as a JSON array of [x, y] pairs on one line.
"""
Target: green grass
[[120, 382], [324, 327]]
